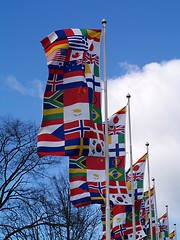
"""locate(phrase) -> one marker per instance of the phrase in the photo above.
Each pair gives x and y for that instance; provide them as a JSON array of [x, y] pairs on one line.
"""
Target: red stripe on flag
[[69, 32], [77, 178], [48, 137], [77, 191], [45, 42], [55, 71], [55, 44], [72, 135], [43, 154], [74, 74], [52, 122]]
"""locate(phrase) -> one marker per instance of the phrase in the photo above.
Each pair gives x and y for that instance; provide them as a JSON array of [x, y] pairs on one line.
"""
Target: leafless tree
[[33, 205]]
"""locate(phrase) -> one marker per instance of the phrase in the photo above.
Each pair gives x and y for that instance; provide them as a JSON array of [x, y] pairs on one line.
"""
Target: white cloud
[[33, 88], [155, 117]]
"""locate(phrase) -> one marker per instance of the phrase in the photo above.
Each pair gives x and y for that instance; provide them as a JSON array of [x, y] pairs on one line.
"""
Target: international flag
[[118, 191], [122, 215], [172, 235], [87, 180], [94, 183], [163, 227], [122, 221], [138, 178], [72, 121], [145, 214]]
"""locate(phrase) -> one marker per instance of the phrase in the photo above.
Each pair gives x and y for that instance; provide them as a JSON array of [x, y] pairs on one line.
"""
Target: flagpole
[[157, 228], [106, 139], [149, 188], [175, 231], [131, 167], [167, 219]]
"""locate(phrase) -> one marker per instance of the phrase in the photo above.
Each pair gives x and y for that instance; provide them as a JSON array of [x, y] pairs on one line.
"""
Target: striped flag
[[122, 215], [72, 121], [138, 178], [172, 235], [145, 214], [163, 227], [94, 178]]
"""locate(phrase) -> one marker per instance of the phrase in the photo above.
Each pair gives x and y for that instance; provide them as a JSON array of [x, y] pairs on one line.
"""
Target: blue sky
[[143, 58]]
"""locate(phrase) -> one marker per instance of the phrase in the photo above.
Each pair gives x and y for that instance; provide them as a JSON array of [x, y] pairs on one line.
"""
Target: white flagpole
[[175, 231], [131, 167], [167, 219], [149, 188], [106, 139], [157, 228]]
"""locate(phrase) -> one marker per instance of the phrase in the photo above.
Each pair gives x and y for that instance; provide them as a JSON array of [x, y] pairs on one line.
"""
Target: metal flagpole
[[157, 228], [131, 167], [149, 188], [106, 139], [167, 219], [175, 231]]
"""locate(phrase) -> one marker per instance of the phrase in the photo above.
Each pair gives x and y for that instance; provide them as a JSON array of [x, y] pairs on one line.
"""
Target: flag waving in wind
[[122, 215], [87, 174], [163, 227], [172, 235], [145, 214], [72, 122]]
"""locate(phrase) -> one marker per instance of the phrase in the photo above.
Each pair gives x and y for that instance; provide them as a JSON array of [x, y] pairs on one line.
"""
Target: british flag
[[92, 59], [112, 130]]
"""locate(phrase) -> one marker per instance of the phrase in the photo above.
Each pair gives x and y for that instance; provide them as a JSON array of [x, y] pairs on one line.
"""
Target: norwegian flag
[[55, 81], [97, 192]]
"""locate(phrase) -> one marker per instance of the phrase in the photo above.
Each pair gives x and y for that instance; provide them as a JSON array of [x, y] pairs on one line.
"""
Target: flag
[[92, 187], [163, 227], [145, 214], [138, 178], [122, 215], [172, 235], [87, 180], [122, 221], [72, 121], [118, 192]]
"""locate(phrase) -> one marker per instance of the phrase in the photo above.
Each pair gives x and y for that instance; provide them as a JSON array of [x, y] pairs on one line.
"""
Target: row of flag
[[72, 126]]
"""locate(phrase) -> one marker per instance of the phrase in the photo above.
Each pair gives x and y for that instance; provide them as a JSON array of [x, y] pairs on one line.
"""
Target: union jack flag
[[92, 58], [112, 130], [136, 176]]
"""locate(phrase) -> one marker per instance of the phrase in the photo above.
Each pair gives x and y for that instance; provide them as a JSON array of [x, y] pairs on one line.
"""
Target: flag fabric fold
[[122, 215], [87, 180], [163, 227], [172, 235], [72, 121], [145, 214]]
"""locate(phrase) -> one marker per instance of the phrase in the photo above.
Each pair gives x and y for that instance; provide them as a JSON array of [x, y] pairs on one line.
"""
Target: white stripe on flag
[[50, 144]]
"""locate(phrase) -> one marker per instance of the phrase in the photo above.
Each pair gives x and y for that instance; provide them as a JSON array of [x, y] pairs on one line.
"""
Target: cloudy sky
[[143, 59]]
